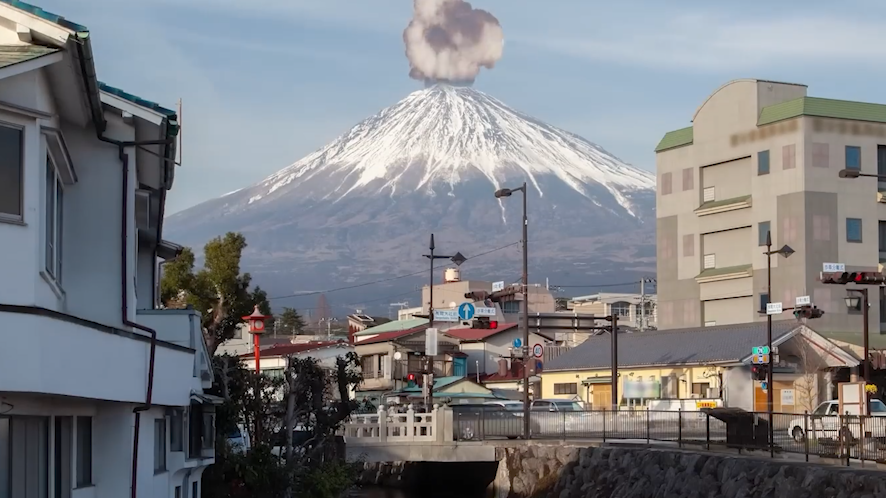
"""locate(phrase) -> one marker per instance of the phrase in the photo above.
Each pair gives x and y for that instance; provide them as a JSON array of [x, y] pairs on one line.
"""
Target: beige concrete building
[[451, 293], [762, 155], [633, 310]]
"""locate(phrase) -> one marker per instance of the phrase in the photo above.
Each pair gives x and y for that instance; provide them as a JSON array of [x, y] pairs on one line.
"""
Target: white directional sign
[[773, 308], [803, 301], [445, 315], [484, 311], [832, 267], [431, 342], [497, 286]]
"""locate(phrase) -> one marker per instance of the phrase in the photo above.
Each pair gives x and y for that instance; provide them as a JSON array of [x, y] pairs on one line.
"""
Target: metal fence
[[832, 436]]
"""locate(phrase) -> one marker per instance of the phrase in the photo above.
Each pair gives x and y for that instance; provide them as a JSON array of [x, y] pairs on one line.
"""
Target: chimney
[[502, 367]]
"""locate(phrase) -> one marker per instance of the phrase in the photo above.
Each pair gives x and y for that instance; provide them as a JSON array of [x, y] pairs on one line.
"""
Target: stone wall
[[604, 472]]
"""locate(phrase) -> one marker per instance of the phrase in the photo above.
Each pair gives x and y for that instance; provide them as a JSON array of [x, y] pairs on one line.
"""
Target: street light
[[507, 192], [852, 173], [256, 322], [458, 259], [856, 301], [785, 252]]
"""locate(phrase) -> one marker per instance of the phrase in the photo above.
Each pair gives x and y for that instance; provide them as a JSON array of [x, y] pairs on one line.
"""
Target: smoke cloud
[[449, 40]]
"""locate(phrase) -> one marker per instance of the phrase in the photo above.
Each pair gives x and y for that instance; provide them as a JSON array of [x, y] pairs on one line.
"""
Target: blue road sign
[[763, 385], [517, 342], [466, 311]]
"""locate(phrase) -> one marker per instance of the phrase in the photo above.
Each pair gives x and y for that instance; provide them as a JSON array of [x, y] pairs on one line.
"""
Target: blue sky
[[265, 82]]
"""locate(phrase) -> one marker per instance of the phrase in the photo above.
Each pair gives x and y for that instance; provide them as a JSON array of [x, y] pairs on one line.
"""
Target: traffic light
[[484, 323], [857, 277], [410, 379], [808, 311], [760, 372]]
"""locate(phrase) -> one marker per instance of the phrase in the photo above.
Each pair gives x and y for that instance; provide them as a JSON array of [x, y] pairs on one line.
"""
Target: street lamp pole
[[786, 252], [505, 192], [458, 259], [867, 364]]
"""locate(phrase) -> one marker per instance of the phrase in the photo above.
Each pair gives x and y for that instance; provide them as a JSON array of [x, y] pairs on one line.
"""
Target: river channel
[[378, 492]]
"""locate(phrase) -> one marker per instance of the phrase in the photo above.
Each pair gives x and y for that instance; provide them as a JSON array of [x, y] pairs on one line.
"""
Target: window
[[11, 160], [510, 307], [763, 162], [274, 373], [821, 155], [881, 167], [762, 231], [688, 177], [853, 157], [178, 492], [176, 430], [195, 489], [567, 388], [821, 227], [52, 246], [201, 430], [700, 388], [26, 469], [84, 451], [208, 431], [881, 228], [159, 445], [708, 194], [710, 261], [669, 385], [689, 245], [666, 187], [789, 156], [853, 230], [764, 300], [64, 451], [621, 308]]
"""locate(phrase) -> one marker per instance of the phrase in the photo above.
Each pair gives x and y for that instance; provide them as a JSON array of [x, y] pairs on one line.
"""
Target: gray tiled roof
[[724, 343], [13, 54]]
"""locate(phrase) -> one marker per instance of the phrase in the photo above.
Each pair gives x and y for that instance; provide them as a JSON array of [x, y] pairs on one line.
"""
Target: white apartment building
[[633, 310], [101, 393]]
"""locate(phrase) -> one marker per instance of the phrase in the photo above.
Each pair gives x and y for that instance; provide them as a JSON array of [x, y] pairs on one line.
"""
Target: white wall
[[46, 355], [493, 348]]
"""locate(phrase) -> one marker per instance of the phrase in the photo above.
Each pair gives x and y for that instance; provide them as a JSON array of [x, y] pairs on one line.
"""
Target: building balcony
[[181, 327], [46, 352]]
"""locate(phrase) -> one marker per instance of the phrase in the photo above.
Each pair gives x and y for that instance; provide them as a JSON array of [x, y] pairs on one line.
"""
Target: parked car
[[482, 420], [825, 423], [300, 436], [238, 439]]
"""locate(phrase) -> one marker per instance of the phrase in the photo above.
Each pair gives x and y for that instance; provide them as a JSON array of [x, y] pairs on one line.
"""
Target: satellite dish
[[397, 355], [452, 304]]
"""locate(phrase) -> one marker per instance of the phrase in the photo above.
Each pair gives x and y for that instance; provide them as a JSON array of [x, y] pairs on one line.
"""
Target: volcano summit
[[361, 208]]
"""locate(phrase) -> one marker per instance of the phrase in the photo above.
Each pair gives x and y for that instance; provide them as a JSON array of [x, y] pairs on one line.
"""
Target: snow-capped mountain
[[363, 206]]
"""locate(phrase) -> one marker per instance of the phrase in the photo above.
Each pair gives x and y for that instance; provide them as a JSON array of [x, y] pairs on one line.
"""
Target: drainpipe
[[87, 71]]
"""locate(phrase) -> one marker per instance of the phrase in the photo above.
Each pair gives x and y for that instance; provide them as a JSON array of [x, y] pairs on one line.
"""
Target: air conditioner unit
[[143, 209], [713, 392]]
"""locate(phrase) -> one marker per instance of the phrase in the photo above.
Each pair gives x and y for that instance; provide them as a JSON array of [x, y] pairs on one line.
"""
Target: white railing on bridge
[[393, 427]]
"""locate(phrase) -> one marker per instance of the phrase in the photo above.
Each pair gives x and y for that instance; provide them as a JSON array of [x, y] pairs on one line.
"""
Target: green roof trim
[[676, 138], [823, 108], [395, 326], [716, 272], [15, 54], [47, 16], [147, 104], [724, 202]]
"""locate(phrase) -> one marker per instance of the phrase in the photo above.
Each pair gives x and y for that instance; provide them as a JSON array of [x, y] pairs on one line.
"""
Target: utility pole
[[643, 282]]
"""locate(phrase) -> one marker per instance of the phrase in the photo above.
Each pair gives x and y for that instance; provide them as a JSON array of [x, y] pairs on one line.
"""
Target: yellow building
[[699, 367]]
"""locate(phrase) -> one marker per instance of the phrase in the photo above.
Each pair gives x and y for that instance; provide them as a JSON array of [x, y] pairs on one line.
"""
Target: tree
[[219, 292], [291, 322], [810, 365]]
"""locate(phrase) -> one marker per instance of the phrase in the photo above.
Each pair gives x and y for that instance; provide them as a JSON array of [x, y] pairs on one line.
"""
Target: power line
[[390, 279], [599, 286]]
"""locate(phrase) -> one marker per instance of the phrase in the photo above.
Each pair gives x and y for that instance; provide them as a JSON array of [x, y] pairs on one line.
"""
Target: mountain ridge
[[363, 205]]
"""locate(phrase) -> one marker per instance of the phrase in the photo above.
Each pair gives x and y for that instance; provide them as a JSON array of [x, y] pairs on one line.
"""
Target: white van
[[238, 439]]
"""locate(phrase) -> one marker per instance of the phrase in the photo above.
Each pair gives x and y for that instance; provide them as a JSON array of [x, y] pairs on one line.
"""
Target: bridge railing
[[393, 427]]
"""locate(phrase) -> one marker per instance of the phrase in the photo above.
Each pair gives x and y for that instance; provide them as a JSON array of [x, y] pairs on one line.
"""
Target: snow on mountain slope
[[444, 134]]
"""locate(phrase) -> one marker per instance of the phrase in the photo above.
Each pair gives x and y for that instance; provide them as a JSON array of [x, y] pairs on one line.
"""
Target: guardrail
[[832, 436], [393, 427]]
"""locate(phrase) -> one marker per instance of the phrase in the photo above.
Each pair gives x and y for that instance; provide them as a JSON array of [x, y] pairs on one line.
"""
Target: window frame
[[53, 231], [760, 155], [860, 231], [764, 300], [565, 388], [177, 430], [20, 217], [855, 148]]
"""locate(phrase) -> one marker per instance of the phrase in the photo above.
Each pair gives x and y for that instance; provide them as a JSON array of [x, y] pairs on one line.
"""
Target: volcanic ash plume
[[448, 40]]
